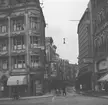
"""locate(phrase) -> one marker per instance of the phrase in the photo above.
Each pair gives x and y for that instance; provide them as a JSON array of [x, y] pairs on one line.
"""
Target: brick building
[[22, 47]]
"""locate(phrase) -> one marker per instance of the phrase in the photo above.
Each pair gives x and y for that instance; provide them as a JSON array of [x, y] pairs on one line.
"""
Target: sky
[[58, 14]]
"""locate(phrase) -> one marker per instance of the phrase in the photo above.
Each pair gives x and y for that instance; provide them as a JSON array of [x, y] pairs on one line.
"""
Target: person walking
[[64, 90]]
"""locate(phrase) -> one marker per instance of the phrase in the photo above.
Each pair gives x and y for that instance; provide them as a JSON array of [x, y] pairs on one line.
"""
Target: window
[[35, 41], [3, 28], [19, 61], [35, 60], [3, 45], [18, 25], [4, 63], [34, 23], [18, 43]]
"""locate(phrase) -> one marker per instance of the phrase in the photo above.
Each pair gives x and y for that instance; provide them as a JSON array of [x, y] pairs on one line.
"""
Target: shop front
[[84, 81], [36, 83], [3, 86], [102, 75], [19, 84]]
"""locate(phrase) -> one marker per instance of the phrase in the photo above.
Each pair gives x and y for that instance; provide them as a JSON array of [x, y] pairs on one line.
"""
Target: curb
[[104, 97], [26, 98]]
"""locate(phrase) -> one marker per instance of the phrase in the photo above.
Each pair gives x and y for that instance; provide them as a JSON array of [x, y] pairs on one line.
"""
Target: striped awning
[[104, 78], [17, 80]]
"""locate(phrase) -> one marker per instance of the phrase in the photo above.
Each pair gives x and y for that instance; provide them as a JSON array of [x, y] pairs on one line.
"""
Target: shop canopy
[[104, 78], [17, 80]]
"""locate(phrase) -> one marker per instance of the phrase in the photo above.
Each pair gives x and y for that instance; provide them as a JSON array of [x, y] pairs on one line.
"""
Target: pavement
[[101, 94], [26, 98]]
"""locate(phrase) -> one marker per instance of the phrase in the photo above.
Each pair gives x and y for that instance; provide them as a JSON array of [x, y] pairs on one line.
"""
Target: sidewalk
[[31, 97], [94, 94]]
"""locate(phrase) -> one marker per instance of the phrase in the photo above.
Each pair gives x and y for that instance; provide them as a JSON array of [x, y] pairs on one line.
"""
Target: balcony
[[18, 33], [18, 52]]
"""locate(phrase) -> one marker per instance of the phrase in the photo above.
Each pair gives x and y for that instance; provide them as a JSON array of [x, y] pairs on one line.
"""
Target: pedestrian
[[64, 91]]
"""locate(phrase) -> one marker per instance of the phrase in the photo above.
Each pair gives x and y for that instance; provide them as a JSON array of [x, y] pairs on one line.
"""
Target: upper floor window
[[18, 24], [19, 61], [3, 26], [3, 45], [4, 63], [34, 23], [34, 41], [35, 59], [18, 43]]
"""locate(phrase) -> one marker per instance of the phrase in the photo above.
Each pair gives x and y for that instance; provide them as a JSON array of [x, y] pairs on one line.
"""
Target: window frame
[[3, 43], [16, 41], [34, 41], [17, 59], [34, 60], [4, 61], [34, 23], [18, 24]]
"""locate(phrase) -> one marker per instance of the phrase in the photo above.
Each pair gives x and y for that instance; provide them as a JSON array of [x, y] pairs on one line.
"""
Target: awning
[[17, 80], [104, 78]]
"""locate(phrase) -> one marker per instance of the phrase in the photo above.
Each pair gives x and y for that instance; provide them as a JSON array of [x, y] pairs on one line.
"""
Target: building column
[[27, 49], [94, 77], [9, 50]]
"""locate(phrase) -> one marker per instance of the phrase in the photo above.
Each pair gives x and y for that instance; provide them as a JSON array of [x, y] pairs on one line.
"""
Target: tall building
[[22, 47], [51, 57], [85, 51], [100, 37]]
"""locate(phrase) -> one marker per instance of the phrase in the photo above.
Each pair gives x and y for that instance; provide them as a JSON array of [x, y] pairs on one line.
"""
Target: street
[[60, 100]]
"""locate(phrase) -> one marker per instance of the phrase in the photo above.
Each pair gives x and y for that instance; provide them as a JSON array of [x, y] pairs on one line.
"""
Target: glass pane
[[19, 47], [15, 65], [19, 65]]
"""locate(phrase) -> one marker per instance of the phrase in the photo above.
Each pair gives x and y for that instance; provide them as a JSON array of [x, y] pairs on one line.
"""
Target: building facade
[[100, 31], [51, 62], [22, 47], [85, 51]]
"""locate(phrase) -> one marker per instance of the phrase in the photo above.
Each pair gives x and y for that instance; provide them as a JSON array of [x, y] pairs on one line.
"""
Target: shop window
[[19, 61], [35, 59], [3, 45], [18, 43], [34, 41], [18, 25], [34, 23]]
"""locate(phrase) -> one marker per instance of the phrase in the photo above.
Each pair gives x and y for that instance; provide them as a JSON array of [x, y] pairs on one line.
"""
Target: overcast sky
[[57, 14]]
